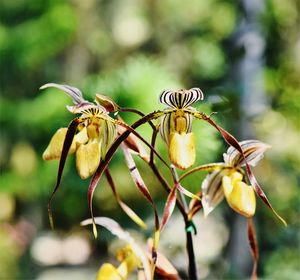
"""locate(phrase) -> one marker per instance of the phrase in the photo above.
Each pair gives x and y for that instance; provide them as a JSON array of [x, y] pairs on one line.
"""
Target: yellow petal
[[182, 149], [239, 195], [55, 146], [108, 272], [81, 137], [87, 159], [122, 270], [129, 261]]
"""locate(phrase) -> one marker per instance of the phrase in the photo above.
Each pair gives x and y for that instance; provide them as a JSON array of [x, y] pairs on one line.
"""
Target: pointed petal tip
[[46, 86], [95, 232], [206, 213], [281, 219]]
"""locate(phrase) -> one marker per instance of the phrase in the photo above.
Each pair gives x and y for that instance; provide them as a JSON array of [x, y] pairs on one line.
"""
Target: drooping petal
[[54, 149], [253, 151], [134, 144], [254, 247], [107, 103], [139, 182], [123, 205], [169, 207], [182, 151], [130, 129], [73, 92], [65, 149], [181, 98], [87, 159], [239, 195], [212, 192], [195, 206]]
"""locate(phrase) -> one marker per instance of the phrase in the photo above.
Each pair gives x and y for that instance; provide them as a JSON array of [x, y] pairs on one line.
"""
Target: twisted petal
[[73, 92], [134, 144], [87, 159], [182, 151], [212, 192], [54, 149], [181, 98], [239, 195], [253, 150]]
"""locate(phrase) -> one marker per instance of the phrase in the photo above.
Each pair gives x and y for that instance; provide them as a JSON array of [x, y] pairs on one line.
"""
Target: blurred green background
[[244, 55]]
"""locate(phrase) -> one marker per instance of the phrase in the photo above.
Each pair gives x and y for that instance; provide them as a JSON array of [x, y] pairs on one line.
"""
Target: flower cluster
[[94, 136]]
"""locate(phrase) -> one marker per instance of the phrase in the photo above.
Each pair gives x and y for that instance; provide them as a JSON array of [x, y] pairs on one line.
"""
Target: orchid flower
[[95, 133], [176, 125], [230, 181], [89, 136], [227, 179]]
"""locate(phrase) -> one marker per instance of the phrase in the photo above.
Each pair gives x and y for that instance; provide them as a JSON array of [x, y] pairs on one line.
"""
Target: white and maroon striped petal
[[73, 92], [212, 191], [181, 98], [253, 150]]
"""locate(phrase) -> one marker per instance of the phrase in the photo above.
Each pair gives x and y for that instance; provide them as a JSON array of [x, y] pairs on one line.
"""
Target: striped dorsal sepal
[[181, 98]]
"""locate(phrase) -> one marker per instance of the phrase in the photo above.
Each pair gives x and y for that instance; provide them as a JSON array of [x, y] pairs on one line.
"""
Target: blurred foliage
[[131, 50]]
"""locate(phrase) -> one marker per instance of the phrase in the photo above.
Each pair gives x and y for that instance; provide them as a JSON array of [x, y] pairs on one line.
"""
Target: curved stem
[[135, 111], [206, 167], [144, 141]]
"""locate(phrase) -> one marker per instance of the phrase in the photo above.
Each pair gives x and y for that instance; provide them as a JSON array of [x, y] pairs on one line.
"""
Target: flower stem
[[189, 237], [191, 255]]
